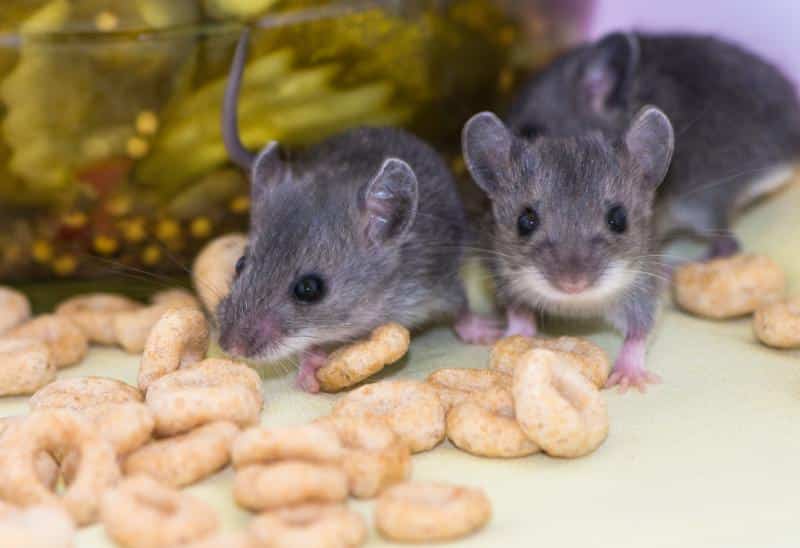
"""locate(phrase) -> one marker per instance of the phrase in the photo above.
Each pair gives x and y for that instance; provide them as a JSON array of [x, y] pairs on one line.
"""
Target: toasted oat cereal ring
[[485, 426], [57, 431], [94, 313], [213, 390], [185, 459], [25, 366], [318, 525], [584, 355], [175, 298], [778, 324], [47, 469], [728, 287], [214, 267], [127, 426], [83, 392], [430, 512], [356, 362], [412, 409], [286, 483], [557, 407], [142, 513], [454, 385], [178, 339], [262, 445], [14, 308], [36, 527], [131, 328], [65, 340], [238, 539], [375, 457]]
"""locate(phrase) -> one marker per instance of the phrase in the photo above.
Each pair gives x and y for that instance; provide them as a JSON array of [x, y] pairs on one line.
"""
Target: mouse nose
[[250, 337], [573, 284]]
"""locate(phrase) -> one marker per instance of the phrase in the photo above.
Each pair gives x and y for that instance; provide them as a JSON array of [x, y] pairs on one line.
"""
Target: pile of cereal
[[737, 286]]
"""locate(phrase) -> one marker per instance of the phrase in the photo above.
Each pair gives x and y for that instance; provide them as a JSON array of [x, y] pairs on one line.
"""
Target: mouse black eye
[[617, 219], [240, 262], [529, 131], [309, 289], [527, 222]]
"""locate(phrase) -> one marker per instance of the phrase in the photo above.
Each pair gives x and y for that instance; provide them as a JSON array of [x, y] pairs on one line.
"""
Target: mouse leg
[[521, 321], [635, 317], [310, 361], [723, 245]]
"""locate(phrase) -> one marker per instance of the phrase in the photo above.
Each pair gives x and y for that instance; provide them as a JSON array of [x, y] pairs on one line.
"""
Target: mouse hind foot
[[629, 369], [485, 330]]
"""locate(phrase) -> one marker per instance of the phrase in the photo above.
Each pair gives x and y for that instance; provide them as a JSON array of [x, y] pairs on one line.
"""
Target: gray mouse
[[362, 229], [583, 189]]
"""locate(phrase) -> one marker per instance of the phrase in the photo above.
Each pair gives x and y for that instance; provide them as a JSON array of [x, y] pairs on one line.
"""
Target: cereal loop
[[175, 298], [132, 328], [585, 356], [47, 469], [412, 409], [94, 314], [356, 362], [65, 340], [213, 390], [142, 513], [455, 386], [557, 407], [25, 366], [328, 525], [430, 512], [84, 392], [14, 308], [213, 269], [57, 431], [485, 426], [728, 287], [178, 339], [238, 539], [258, 487], [186, 459], [375, 457], [36, 527], [262, 445], [778, 324]]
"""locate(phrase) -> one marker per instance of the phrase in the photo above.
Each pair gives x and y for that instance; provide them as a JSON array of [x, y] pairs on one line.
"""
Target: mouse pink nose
[[573, 284], [248, 340]]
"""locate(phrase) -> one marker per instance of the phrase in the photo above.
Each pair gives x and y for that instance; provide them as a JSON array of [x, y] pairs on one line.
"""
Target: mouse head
[[319, 256], [572, 215], [598, 80]]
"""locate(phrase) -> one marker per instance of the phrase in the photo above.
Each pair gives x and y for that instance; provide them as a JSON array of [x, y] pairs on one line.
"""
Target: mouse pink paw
[[307, 370], [520, 322], [476, 329], [629, 369]]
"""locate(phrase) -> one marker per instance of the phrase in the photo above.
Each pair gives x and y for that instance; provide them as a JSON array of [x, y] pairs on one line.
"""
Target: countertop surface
[[708, 458]]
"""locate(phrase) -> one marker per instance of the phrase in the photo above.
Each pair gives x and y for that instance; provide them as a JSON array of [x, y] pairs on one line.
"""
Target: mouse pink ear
[[486, 146], [609, 69], [389, 202], [650, 142]]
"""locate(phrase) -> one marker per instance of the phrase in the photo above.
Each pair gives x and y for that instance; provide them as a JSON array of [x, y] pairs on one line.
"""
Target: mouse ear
[[609, 70], [486, 144], [650, 142], [268, 169], [389, 202]]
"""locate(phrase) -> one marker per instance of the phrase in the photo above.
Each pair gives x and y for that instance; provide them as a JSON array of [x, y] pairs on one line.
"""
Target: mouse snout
[[251, 337], [573, 283]]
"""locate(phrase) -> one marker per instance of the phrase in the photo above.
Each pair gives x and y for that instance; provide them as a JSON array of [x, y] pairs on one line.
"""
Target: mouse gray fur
[[362, 229], [582, 140]]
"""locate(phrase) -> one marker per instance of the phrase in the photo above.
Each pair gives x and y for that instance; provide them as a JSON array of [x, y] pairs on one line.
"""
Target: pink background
[[769, 27]]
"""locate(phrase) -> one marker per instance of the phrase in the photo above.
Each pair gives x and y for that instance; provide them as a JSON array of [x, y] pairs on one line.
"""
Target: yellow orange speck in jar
[[65, 265], [106, 21], [105, 245], [151, 255], [42, 251], [147, 122], [201, 227]]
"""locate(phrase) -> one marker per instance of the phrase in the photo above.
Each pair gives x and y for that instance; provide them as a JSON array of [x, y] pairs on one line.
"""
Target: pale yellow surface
[[709, 458]]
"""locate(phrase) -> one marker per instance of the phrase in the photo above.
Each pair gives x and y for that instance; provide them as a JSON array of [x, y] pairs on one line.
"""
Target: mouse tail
[[230, 118]]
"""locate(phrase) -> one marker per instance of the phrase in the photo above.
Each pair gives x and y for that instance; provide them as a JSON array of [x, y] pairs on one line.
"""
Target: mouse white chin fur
[[530, 286]]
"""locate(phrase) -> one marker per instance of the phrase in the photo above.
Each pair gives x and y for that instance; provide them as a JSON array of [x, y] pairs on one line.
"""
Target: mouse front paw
[[629, 369], [310, 362], [476, 329]]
